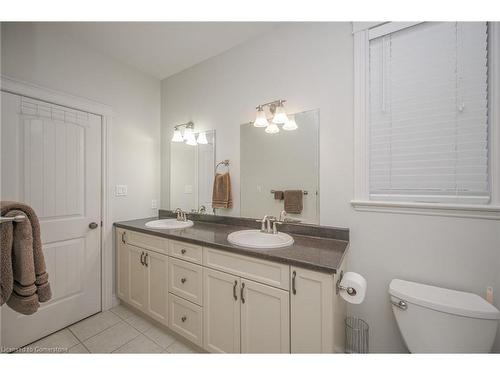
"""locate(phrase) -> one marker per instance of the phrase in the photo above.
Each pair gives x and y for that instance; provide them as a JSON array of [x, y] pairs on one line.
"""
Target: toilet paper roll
[[358, 283]]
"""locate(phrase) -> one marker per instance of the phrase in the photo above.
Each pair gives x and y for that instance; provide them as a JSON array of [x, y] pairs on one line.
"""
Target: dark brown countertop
[[316, 253]]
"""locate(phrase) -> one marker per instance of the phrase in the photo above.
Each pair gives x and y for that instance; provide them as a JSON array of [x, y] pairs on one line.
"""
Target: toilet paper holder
[[350, 290]]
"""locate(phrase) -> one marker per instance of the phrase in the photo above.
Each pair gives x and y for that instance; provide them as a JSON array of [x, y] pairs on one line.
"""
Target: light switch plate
[[120, 190], [188, 189]]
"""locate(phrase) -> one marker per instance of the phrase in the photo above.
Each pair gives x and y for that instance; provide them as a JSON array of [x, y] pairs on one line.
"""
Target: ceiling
[[162, 49]]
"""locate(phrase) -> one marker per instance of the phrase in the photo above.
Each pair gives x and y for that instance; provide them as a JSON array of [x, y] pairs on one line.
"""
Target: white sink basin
[[258, 240], [169, 224]]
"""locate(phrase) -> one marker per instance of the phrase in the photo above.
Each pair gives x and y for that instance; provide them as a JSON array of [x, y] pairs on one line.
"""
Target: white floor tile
[[160, 337], [78, 349], [139, 323], [141, 344], [179, 347], [94, 324], [111, 339], [122, 311], [58, 342]]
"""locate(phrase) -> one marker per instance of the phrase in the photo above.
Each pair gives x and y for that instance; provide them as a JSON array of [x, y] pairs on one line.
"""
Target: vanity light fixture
[[279, 115], [188, 135], [202, 138]]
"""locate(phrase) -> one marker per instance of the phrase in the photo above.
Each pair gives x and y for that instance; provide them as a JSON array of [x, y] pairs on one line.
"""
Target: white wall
[[36, 54], [311, 65]]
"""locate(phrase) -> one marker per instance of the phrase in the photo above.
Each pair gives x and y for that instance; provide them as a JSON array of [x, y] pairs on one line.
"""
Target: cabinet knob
[[183, 251], [93, 225], [184, 318], [183, 280]]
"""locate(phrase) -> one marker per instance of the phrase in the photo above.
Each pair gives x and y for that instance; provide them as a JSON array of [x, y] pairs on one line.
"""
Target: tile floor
[[119, 330]]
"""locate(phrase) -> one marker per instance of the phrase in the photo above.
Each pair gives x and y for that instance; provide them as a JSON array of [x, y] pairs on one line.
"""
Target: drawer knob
[[184, 318], [183, 251], [183, 280]]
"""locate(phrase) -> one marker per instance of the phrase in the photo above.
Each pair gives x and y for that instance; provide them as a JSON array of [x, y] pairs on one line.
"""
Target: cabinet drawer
[[145, 241], [186, 280], [263, 271], [186, 251], [186, 319]]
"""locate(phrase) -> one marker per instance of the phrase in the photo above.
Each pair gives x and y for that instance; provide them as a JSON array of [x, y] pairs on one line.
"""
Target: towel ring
[[223, 162]]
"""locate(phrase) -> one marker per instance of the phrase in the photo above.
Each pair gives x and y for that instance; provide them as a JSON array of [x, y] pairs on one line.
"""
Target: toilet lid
[[444, 300]]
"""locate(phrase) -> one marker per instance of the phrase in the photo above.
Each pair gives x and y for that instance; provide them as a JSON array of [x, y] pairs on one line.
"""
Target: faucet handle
[[263, 226], [275, 226]]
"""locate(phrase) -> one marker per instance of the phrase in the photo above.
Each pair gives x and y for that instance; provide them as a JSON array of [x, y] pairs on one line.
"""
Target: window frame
[[362, 200]]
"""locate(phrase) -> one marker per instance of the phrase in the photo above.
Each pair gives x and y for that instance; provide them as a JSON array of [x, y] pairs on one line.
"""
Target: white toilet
[[438, 320]]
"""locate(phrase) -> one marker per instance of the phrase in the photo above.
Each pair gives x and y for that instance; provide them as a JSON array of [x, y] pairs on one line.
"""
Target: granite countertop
[[316, 253]]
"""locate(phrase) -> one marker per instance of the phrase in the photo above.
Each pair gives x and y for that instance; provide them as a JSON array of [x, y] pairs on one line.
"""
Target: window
[[427, 113]]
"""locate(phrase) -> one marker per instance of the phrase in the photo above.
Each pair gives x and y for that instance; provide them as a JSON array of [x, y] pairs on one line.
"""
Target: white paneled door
[[51, 160]]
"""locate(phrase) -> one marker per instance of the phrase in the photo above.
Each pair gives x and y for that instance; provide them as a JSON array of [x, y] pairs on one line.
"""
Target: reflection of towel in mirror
[[221, 196], [24, 280], [293, 201]]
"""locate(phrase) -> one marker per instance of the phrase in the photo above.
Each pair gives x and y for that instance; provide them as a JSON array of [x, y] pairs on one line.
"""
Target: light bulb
[[272, 129], [188, 132], [202, 138], [260, 119], [177, 136], [191, 140], [290, 125], [280, 116]]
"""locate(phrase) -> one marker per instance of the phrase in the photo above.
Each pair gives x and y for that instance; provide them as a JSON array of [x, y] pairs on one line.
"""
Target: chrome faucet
[[202, 210], [181, 215], [266, 226]]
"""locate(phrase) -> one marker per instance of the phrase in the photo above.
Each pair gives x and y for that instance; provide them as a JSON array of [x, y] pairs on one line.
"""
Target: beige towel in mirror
[[222, 194]]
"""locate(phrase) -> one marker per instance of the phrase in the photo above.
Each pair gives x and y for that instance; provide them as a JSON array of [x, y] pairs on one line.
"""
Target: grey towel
[[293, 201], [24, 280]]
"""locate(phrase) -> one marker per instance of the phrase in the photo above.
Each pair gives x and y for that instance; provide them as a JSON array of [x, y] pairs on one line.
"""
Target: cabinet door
[[221, 326], [312, 295], [137, 278], [265, 323], [157, 286], [122, 265]]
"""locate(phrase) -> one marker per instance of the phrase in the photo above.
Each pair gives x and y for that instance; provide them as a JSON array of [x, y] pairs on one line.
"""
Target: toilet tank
[[439, 320]]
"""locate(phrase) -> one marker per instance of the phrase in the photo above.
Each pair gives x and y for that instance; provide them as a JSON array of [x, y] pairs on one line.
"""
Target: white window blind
[[428, 108]]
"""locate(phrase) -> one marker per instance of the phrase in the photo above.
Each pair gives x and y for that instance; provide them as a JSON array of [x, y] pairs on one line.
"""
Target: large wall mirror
[[287, 161], [192, 174]]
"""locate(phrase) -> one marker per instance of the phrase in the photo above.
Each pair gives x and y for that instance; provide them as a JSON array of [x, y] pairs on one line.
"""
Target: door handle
[[183, 280], [93, 225], [183, 251], [241, 293], [146, 260], [184, 318], [124, 239], [142, 260], [294, 275], [235, 296]]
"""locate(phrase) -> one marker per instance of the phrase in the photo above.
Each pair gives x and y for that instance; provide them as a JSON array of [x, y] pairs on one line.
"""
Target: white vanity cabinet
[[226, 302], [244, 316], [142, 275], [242, 313], [317, 313], [221, 323]]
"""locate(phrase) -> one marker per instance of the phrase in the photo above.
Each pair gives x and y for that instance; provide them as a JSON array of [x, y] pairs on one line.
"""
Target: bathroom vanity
[[229, 299]]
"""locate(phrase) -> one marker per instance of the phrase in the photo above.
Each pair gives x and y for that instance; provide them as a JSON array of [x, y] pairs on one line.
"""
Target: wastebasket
[[356, 335]]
